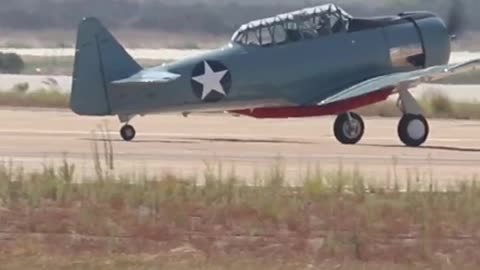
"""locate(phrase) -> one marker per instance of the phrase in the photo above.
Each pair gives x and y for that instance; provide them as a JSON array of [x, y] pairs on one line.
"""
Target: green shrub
[[21, 97], [11, 63], [21, 88], [440, 105]]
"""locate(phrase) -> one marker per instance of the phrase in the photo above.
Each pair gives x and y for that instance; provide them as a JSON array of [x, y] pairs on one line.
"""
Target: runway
[[186, 146]]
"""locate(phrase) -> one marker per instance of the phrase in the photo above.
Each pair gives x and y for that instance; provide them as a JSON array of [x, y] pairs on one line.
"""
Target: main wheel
[[349, 129], [413, 130], [128, 133]]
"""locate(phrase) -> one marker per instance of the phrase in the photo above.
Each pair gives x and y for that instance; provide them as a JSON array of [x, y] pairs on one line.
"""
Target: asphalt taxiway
[[186, 146]]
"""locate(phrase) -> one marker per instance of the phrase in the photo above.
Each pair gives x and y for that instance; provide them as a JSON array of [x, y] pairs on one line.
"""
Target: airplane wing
[[149, 77], [403, 80]]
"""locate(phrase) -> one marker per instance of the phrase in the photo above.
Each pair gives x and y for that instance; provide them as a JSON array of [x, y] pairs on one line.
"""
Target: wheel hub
[[128, 132], [352, 129], [416, 129]]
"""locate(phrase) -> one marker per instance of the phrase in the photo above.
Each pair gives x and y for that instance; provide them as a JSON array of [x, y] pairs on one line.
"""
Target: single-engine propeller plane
[[311, 62]]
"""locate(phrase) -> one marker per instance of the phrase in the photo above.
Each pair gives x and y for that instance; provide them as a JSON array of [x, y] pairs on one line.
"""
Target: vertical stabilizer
[[99, 60]]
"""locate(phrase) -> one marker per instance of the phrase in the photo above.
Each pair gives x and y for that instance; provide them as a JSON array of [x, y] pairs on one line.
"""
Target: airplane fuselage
[[310, 62], [283, 75]]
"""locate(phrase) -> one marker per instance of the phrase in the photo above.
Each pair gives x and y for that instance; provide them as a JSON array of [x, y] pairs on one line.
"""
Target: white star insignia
[[211, 80]]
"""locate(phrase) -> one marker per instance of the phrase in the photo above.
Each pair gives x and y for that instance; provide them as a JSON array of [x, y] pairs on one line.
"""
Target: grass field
[[434, 104], [55, 219], [21, 96]]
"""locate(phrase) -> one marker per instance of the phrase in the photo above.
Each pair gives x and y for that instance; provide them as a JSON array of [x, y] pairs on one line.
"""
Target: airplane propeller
[[456, 19]]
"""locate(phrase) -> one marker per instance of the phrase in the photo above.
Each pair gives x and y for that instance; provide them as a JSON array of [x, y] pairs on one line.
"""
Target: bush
[[441, 104], [21, 88], [21, 97], [11, 63]]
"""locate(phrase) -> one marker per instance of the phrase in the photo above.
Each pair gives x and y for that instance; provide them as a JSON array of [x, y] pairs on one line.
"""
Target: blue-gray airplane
[[310, 62]]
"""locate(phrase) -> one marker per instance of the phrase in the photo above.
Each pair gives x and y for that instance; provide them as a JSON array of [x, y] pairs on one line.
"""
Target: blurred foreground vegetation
[[57, 219]]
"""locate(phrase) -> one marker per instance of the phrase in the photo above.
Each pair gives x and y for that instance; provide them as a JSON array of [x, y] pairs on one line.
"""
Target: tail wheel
[[413, 130], [128, 133], [349, 128]]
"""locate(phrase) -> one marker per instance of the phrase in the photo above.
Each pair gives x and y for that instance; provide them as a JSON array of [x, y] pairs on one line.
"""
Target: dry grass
[[435, 104], [340, 219], [20, 96], [172, 261]]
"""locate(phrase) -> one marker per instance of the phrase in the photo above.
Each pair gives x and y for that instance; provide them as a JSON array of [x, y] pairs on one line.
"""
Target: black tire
[[413, 130], [341, 128], [128, 133]]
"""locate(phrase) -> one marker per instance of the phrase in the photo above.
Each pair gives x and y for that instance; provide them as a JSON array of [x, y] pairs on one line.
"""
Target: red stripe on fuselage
[[310, 111]]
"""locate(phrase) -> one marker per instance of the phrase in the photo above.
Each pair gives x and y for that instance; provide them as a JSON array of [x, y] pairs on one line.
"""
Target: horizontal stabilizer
[[149, 77]]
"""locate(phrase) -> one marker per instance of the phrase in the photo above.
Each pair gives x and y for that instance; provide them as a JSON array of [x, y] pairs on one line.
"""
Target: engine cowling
[[434, 36]]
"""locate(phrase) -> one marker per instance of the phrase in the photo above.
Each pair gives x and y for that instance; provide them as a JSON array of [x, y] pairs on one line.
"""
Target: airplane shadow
[[232, 140], [195, 140], [432, 147], [144, 141]]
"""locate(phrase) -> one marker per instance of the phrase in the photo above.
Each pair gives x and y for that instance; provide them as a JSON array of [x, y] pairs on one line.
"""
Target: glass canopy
[[298, 25]]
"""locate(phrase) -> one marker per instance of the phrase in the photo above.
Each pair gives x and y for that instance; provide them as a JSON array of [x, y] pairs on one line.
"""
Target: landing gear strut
[[349, 128]]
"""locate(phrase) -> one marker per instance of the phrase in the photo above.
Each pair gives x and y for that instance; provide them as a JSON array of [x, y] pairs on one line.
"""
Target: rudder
[[99, 60]]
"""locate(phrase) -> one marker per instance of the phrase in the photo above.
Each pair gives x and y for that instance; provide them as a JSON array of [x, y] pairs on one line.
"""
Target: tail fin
[[99, 60]]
